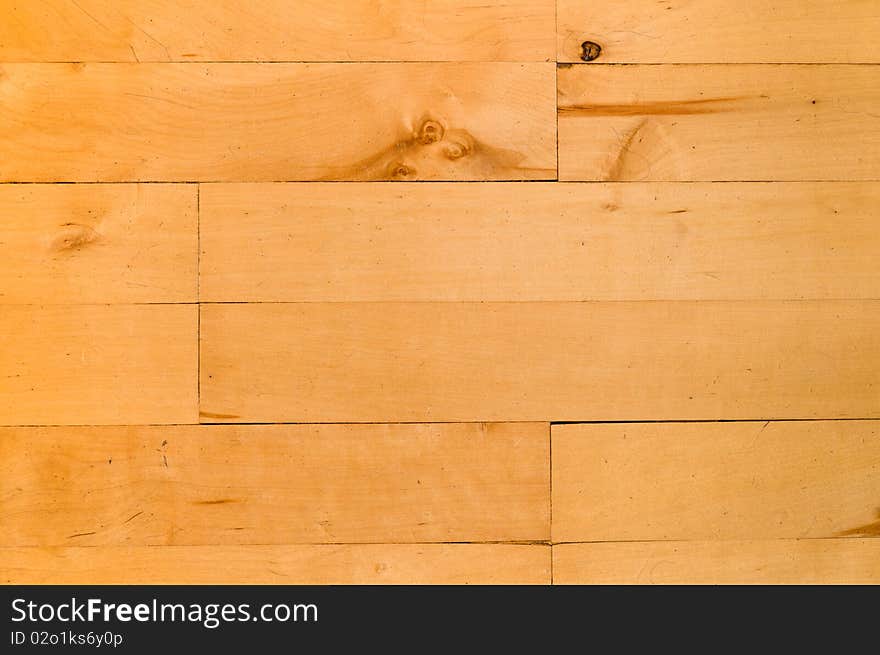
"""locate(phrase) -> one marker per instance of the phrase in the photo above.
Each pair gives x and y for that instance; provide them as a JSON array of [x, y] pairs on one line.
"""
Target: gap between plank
[[548, 180], [301, 543], [463, 422], [198, 299]]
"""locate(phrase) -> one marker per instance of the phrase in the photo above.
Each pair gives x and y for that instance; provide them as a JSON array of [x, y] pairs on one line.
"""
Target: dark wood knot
[[590, 50]]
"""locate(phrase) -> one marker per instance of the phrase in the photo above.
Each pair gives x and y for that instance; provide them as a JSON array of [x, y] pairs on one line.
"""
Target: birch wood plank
[[494, 242], [683, 481], [73, 244], [275, 122], [719, 123], [404, 564], [718, 31], [777, 561], [274, 485], [383, 362], [98, 364], [279, 30]]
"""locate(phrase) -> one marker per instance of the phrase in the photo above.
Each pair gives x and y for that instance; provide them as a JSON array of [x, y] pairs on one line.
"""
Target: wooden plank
[[299, 564], [717, 31], [279, 30], [382, 362], [98, 364], [281, 484], [751, 480], [98, 243], [784, 561], [719, 123], [496, 242], [251, 122]]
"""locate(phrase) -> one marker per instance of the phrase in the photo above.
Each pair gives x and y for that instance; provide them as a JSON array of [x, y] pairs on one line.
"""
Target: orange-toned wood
[[248, 122], [297, 564], [275, 484], [98, 364], [598, 361]]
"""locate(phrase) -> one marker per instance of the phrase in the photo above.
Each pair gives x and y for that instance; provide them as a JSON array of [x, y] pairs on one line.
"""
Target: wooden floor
[[616, 319]]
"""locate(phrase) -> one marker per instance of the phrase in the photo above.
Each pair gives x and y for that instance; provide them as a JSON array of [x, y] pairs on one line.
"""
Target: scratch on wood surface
[[150, 36], [158, 99], [95, 20]]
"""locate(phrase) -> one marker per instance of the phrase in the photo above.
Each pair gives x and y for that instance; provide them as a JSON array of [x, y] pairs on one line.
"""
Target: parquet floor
[[380, 291]]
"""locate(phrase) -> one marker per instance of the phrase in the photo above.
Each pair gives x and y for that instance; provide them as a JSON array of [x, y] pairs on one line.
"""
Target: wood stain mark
[[73, 237], [218, 501], [656, 108], [617, 167], [868, 530], [217, 415], [161, 449]]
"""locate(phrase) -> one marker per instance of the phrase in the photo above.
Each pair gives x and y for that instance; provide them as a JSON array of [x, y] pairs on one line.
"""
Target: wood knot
[[458, 145], [455, 151], [590, 50], [73, 237], [402, 171], [430, 132]]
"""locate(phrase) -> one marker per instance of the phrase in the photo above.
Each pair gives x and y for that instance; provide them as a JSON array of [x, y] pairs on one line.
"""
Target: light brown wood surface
[[295, 564], [279, 484], [601, 361], [98, 364], [276, 30], [742, 480], [463, 242], [704, 122], [782, 561], [74, 244], [269, 122], [667, 256], [720, 31]]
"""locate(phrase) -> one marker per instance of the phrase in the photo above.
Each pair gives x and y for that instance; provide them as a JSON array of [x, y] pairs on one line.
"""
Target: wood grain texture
[[752, 480], [719, 123], [98, 364], [279, 30], [718, 31], [382, 362], [251, 122], [282, 484], [778, 561], [297, 564], [73, 244], [493, 242]]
